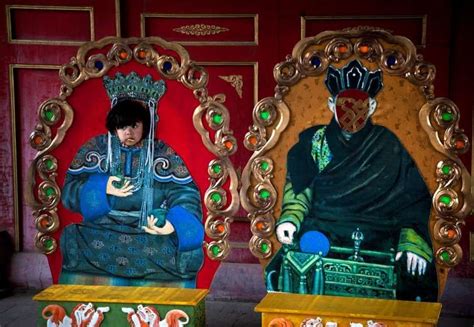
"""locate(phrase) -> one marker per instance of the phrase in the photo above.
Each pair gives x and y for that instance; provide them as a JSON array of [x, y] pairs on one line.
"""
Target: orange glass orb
[[38, 140], [451, 233], [260, 225], [141, 54], [220, 228], [459, 144], [342, 49], [228, 144], [44, 223], [252, 140], [363, 49], [123, 54]]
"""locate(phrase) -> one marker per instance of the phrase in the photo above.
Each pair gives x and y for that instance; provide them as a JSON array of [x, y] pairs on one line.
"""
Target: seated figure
[[353, 180], [141, 209]]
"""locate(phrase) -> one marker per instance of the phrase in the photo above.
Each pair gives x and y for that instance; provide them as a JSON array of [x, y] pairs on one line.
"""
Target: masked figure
[[352, 175], [141, 208]]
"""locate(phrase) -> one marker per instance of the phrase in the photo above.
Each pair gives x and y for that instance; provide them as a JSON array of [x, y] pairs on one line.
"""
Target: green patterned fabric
[[320, 151]]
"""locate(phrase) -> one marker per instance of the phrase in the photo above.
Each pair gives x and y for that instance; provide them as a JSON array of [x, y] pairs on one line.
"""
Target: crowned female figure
[[141, 208]]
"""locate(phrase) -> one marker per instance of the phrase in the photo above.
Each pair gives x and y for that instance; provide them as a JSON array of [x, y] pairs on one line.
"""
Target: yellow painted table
[[286, 309], [117, 305]]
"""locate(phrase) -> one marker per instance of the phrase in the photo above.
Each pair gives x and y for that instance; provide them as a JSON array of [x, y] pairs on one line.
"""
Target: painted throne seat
[[354, 139], [74, 146]]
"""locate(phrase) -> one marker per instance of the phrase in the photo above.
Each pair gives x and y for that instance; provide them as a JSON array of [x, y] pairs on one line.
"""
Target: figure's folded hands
[[121, 192], [151, 228], [414, 263], [285, 232]]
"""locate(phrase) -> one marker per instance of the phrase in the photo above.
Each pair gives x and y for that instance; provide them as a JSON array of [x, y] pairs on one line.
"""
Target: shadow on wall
[[6, 254]]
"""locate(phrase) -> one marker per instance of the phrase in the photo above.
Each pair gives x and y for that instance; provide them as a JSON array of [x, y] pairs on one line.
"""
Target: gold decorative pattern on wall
[[254, 64], [200, 29], [11, 38], [236, 81], [221, 198], [353, 18], [431, 135]]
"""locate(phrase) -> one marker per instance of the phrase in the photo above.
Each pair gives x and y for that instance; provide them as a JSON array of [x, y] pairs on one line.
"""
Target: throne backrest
[[426, 126], [194, 123]]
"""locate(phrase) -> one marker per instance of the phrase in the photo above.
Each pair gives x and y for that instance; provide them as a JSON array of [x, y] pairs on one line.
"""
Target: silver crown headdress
[[133, 87]]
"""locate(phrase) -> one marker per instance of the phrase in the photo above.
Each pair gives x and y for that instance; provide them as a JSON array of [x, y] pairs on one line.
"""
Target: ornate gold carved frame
[[439, 117], [48, 134]]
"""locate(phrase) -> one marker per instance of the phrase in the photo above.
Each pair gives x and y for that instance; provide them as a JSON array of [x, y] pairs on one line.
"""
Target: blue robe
[[109, 241]]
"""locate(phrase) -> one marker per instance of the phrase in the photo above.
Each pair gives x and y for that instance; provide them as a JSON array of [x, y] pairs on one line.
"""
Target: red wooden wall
[[242, 40]]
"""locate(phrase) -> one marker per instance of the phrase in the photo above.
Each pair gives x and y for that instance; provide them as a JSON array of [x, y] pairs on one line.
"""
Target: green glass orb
[[445, 256], [216, 168], [264, 165], [447, 117], [446, 199], [265, 114], [49, 191], [264, 194], [215, 250], [48, 244], [216, 197], [217, 119]]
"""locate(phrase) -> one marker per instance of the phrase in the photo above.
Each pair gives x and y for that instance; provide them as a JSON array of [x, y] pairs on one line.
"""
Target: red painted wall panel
[[51, 25], [27, 80]]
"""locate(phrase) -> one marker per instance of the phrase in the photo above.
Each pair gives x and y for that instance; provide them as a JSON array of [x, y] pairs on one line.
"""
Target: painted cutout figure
[[141, 208], [351, 185]]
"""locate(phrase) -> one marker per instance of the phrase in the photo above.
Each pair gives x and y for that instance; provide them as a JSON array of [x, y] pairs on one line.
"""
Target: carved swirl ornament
[[55, 116], [394, 55]]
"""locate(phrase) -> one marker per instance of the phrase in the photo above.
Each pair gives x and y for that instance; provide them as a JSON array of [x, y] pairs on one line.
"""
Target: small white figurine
[[312, 322], [372, 323]]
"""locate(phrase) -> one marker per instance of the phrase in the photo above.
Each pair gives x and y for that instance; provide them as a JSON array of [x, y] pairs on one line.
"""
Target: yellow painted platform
[[191, 302], [343, 310], [122, 294]]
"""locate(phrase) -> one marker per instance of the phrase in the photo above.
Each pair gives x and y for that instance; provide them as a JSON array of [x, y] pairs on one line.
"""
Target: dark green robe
[[368, 182]]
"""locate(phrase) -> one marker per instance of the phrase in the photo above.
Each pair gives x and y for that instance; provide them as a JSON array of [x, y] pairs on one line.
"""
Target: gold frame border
[[424, 22], [445, 135], [118, 25], [16, 186], [238, 63], [45, 197], [144, 16], [11, 40]]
